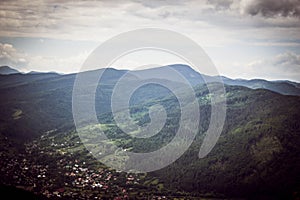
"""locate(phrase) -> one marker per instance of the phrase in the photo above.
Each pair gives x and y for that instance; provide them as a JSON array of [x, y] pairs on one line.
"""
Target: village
[[43, 168]]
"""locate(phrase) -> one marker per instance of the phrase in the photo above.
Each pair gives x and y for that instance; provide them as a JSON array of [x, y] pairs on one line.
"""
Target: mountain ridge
[[6, 70], [284, 87]]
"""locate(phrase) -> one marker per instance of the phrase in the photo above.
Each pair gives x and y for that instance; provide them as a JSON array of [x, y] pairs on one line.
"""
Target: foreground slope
[[256, 154]]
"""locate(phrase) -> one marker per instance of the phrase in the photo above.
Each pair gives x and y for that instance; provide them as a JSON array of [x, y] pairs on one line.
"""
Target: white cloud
[[62, 65], [11, 57], [281, 66]]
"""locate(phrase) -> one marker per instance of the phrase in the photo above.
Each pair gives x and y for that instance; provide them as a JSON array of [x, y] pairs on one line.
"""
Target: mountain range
[[281, 86], [257, 155]]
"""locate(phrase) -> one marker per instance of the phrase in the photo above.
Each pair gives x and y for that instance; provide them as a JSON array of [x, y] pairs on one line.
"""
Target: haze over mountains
[[281, 86]]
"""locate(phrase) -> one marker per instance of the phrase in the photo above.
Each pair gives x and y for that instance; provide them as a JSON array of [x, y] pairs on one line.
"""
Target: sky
[[244, 38]]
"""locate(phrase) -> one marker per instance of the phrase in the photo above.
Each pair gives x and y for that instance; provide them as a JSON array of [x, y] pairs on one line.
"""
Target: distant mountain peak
[[6, 70]]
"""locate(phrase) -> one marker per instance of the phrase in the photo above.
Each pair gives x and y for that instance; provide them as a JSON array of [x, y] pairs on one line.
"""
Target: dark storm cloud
[[273, 8]]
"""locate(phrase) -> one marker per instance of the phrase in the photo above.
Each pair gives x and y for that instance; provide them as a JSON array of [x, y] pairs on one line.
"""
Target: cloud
[[68, 64], [281, 66], [271, 8], [221, 4], [99, 20], [11, 57], [158, 4]]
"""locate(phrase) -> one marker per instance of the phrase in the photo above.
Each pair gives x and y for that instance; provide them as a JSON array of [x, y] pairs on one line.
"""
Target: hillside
[[256, 155]]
